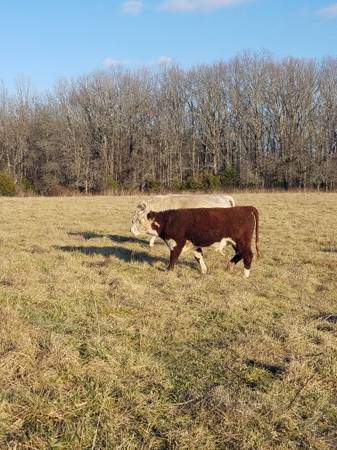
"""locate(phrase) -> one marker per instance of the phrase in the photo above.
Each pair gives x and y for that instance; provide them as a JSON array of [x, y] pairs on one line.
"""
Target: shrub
[[229, 178], [176, 184], [111, 184], [151, 185], [192, 184], [211, 182], [7, 184], [25, 186], [48, 184]]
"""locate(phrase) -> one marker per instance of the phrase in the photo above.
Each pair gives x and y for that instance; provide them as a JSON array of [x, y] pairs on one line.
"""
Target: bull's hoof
[[230, 267], [165, 270], [246, 273]]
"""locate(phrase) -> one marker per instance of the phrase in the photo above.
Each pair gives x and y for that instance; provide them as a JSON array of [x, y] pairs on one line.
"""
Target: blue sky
[[48, 39]]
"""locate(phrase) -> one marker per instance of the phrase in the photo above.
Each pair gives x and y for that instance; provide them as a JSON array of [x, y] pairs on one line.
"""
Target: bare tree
[[273, 123]]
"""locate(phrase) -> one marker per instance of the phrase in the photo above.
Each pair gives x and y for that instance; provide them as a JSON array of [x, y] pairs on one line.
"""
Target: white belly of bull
[[219, 246], [171, 243]]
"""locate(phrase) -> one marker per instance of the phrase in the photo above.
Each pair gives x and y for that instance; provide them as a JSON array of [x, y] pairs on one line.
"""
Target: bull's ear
[[142, 206], [150, 215]]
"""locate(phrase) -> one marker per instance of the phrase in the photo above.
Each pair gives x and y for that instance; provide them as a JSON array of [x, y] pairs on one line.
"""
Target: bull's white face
[[140, 224]]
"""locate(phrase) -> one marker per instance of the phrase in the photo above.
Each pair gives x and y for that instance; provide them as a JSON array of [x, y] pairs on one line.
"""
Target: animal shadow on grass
[[329, 249], [118, 238], [273, 369], [122, 253], [331, 318], [113, 237]]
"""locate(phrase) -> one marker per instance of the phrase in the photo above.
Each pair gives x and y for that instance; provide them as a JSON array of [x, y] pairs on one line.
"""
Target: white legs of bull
[[241, 253], [247, 260], [176, 249], [199, 257]]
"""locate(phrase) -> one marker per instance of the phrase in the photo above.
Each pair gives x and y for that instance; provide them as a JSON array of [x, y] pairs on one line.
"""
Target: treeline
[[250, 122]]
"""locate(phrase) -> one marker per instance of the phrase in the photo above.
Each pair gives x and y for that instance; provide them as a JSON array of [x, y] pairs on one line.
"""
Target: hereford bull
[[204, 227], [175, 201]]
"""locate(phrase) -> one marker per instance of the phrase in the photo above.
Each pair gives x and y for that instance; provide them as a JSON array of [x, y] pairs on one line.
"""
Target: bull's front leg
[[175, 252]]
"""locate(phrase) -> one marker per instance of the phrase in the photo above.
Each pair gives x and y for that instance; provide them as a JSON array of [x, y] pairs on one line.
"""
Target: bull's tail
[[256, 216]]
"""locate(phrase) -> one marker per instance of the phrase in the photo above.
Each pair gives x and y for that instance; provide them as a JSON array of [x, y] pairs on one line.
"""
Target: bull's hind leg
[[200, 258], [174, 255], [236, 258], [247, 262]]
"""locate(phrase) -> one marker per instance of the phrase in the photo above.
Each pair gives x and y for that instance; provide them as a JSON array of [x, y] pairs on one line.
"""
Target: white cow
[[175, 201]]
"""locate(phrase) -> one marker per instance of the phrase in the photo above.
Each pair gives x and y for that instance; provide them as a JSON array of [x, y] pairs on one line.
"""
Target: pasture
[[100, 348]]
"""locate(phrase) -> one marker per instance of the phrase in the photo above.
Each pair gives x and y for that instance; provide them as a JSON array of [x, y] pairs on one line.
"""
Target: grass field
[[100, 348]]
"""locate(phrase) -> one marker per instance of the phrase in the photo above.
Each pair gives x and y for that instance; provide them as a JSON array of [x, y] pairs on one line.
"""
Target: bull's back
[[205, 226]]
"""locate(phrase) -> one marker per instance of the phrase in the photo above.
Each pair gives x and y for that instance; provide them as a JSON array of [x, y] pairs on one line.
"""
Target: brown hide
[[206, 226]]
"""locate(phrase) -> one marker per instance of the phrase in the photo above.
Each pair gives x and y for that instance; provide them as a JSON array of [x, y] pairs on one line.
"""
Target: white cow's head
[[140, 224]]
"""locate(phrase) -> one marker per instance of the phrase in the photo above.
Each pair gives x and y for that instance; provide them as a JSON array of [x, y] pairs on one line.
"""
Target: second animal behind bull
[[175, 201], [204, 227]]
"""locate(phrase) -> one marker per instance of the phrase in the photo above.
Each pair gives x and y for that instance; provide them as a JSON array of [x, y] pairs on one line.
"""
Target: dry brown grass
[[100, 348]]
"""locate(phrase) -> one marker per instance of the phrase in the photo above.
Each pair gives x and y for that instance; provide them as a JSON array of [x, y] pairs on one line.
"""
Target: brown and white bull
[[205, 227], [175, 201]]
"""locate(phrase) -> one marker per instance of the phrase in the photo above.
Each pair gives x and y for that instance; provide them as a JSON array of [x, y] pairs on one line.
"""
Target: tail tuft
[[258, 253], [256, 215]]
